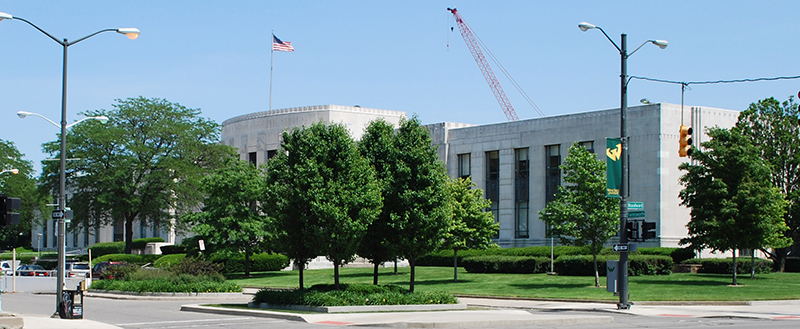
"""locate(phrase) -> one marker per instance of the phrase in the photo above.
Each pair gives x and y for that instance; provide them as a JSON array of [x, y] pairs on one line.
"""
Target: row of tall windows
[[521, 181]]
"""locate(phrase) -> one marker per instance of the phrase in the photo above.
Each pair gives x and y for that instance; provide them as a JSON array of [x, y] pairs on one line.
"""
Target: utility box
[[612, 274]]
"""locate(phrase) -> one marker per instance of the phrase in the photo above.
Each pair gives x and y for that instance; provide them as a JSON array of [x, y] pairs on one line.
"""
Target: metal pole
[[62, 201], [624, 304]]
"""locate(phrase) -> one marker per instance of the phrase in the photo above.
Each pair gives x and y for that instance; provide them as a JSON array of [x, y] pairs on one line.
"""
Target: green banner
[[613, 167]]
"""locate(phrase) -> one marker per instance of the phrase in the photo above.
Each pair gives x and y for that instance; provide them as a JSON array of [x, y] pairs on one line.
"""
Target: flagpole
[[271, 56]]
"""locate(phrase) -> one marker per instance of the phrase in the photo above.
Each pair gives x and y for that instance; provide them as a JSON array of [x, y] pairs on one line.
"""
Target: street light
[[131, 33], [39, 245], [623, 191], [13, 171]]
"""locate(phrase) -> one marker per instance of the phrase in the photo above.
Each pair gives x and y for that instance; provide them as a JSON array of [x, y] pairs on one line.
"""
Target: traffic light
[[7, 206], [632, 230], [685, 141], [648, 230]]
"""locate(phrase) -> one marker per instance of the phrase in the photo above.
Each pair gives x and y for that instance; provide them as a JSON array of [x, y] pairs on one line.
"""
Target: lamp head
[[23, 114], [586, 26], [103, 119], [644, 101], [131, 32], [14, 171], [5, 16], [660, 43]]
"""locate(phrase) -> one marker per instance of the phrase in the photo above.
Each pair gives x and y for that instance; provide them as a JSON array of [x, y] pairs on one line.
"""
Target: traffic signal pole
[[624, 303]]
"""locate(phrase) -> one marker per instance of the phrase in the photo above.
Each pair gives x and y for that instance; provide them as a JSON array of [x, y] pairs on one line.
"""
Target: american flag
[[279, 45]]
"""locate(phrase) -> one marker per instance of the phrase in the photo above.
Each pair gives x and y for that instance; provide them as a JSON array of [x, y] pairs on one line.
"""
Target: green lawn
[[686, 287]]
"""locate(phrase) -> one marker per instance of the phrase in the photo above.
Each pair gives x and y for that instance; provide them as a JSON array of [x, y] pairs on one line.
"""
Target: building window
[[252, 157], [271, 153], [464, 166], [521, 189], [589, 146], [493, 184], [552, 175]]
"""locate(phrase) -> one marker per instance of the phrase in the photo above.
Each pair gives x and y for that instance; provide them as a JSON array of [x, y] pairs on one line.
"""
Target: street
[[163, 314]]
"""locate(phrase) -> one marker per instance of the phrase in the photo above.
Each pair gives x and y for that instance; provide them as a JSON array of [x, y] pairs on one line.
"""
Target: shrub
[[173, 283], [351, 294], [141, 243], [128, 258], [505, 264], [444, 258], [678, 255], [196, 267], [120, 272], [258, 262], [725, 265], [106, 248], [168, 261], [637, 265]]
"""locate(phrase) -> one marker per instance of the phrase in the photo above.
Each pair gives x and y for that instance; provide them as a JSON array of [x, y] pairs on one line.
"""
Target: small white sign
[[202, 245]]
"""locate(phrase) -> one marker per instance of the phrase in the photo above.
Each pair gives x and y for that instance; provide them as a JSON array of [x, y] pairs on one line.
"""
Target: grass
[[674, 287]]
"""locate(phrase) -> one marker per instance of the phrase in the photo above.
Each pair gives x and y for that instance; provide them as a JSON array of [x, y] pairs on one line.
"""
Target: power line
[[686, 83]]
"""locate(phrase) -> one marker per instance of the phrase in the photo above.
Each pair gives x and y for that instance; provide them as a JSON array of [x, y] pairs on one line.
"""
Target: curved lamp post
[[131, 33], [624, 303], [13, 171]]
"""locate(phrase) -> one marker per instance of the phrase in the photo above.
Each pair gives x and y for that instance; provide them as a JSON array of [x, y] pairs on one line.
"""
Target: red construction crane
[[488, 74]]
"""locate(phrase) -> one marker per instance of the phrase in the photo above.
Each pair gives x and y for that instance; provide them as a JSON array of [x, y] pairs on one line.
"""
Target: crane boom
[[488, 74]]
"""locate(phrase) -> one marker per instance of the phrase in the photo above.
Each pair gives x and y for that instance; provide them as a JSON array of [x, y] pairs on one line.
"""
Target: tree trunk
[[734, 268], [753, 264], [336, 274], [301, 266], [412, 264], [375, 273], [247, 260], [596, 273], [128, 235], [395, 266], [455, 265]]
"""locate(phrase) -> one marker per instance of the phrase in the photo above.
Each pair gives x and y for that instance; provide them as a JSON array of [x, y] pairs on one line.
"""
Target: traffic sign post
[[619, 247]]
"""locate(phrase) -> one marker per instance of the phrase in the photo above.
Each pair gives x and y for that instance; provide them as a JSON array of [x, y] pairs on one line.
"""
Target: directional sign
[[620, 247], [58, 214], [636, 205], [636, 214]]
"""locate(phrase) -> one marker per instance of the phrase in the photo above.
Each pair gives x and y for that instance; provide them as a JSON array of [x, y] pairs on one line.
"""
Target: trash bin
[[71, 304]]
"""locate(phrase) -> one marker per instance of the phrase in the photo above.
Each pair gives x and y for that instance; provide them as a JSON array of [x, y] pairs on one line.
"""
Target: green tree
[[732, 200], [323, 194], [145, 163], [472, 226], [581, 214], [23, 186], [421, 218], [774, 128], [379, 245], [230, 219]]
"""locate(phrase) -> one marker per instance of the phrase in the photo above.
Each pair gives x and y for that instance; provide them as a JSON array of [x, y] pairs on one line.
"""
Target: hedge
[[444, 258], [106, 248], [352, 294], [506, 264], [637, 265], [168, 260], [725, 265], [678, 254], [258, 262], [128, 258], [142, 243]]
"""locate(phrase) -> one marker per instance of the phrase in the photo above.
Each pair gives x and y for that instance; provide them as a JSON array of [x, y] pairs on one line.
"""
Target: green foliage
[[230, 220], [168, 261], [773, 128], [24, 259], [171, 250], [637, 265], [725, 265], [472, 226], [120, 272], [23, 186], [581, 214], [322, 194], [506, 264], [445, 257], [128, 258], [196, 267], [106, 248], [146, 161], [259, 262], [729, 210], [678, 255], [351, 295], [141, 243], [158, 282]]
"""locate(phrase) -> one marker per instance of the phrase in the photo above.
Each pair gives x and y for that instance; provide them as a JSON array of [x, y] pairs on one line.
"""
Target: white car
[[7, 270], [76, 269]]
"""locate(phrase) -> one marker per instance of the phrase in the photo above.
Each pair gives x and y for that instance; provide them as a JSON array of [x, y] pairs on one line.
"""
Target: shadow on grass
[[550, 285], [260, 275], [693, 283], [438, 282]]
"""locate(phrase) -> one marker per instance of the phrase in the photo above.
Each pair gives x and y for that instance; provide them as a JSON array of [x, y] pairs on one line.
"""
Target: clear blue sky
[[394, 55]]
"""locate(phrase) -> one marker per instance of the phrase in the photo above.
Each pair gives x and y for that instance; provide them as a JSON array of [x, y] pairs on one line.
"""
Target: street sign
[[620, 247], [636, 214], [635, 205], [58, 214]]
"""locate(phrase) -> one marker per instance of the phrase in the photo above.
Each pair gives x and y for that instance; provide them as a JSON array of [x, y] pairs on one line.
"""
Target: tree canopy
[[472, 227], [581, 214], [732, 200], [774, 128], [23, 186], [144, 165]]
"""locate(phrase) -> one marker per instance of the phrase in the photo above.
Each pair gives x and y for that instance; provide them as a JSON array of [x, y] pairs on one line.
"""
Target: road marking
[[184, 321], [786, 317], [337, 323], [677, 315]]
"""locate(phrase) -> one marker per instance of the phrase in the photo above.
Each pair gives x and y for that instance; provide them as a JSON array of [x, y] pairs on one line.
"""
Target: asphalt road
[[166, 314]]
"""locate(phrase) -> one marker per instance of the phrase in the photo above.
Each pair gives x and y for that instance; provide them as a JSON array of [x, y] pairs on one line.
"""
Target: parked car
[[76, 269], [99, 270], [7, 269], [32, 270]]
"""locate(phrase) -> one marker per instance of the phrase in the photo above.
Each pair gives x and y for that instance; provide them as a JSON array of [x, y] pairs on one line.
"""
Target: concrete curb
[[362, 308]]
